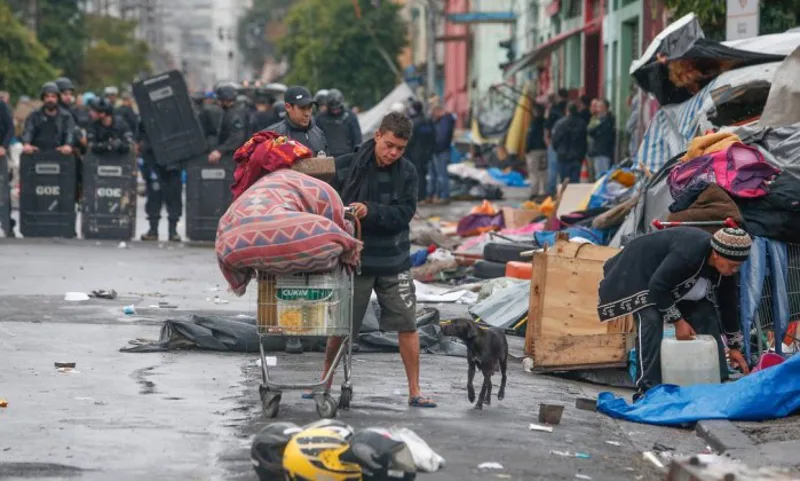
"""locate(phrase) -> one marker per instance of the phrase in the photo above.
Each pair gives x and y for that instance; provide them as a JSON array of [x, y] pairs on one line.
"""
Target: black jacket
[[602, 137], [569, 139], [312, 136], [390, 195], [556, 113], [131, 118], [535, 137], [65, 126], [232, 130], [342, 132], [658, 269], [420, 148], [261, 120], [6, 125], [115, 138], [210, 116]]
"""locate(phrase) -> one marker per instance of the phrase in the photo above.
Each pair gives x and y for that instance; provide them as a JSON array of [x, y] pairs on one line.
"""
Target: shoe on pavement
[[294, 346], [150, 236], [175, 237]]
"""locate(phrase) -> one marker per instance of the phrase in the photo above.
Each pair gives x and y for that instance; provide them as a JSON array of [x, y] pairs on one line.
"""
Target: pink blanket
[[287, 222]]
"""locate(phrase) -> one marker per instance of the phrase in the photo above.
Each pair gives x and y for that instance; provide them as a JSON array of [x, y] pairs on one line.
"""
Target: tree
[[62, 30], [329, 46], [23, 61], [114, 55], [776, 15], [259, 30]]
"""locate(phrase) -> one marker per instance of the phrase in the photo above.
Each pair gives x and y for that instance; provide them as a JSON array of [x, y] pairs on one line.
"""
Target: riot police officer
[[210, 115], [340, 126], [126, 111], [298, 124], [265, 114], [66, 100], [111, 93], [108, 132], [320, 100], [233, 126], [50, 127]]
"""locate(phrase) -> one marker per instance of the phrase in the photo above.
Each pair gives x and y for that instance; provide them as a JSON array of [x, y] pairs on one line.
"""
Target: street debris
[[490, 465], [586, 404], [76, 296], [68, 370], [652, 458], [537, 427], [3, 403], [527, 364], [583, 476], [164, 305], [550, 413], [109, 294], [65, 364], [567, 454], [129, 310], [614, 443], [217, 300], [272, 361], [122, 245]]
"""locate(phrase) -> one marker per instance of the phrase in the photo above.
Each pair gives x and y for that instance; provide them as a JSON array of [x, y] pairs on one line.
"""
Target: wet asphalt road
[[191, 415]]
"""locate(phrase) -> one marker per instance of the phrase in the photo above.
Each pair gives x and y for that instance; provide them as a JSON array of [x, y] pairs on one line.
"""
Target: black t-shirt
[[556, 112], [46, 136]]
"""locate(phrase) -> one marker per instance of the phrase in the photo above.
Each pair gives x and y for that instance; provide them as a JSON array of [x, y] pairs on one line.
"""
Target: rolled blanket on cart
[[264, 153], [285, 223]]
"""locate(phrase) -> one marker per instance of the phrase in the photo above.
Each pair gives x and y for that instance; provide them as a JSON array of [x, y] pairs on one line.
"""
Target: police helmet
[[64, 83], [48, 88], [334, 99], [266, 452], [226, 92], [321, 96], [110, 90], [101, 105]]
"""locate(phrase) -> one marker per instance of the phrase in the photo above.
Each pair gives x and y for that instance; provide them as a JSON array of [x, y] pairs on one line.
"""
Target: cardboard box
[[518, 218]]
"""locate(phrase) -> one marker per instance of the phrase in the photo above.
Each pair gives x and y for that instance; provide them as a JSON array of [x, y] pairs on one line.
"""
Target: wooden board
[[580, 350], [563, 326]]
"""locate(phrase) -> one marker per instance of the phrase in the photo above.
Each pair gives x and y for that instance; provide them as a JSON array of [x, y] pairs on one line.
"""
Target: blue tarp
[[548, 237], [769, 394], [510, 179]]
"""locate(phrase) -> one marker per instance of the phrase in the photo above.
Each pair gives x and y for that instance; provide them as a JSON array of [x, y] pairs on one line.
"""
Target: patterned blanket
[[287, 222]]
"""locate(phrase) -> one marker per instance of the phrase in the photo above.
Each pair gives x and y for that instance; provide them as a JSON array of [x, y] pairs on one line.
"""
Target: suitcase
[[109, 196], [47, 194], [208, 196], [171, 124]]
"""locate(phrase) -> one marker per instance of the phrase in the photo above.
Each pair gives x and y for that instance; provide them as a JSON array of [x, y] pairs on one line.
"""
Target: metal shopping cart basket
[[308, 305]]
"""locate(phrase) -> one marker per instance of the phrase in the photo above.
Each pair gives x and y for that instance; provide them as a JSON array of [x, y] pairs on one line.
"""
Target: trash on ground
[[537, 427], [527, 364], [614, 443], [658, 447], [217, 300], [652, 458], [3, 403], [76, 296], [490, 465], [583, 456], [583, 476], [272, 361], [129, 310], [122, 245], [166, 305], [65, 364], [586, 404], [68, 370], [567, 454], [550, 413], [104, 294]]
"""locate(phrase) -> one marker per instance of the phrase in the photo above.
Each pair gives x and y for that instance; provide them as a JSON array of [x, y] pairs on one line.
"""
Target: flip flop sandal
[[421, 402]]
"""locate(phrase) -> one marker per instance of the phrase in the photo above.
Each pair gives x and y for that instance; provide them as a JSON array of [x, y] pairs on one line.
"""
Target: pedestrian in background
[[421, 146], [601, 139], [569, 142], [536, 152], [555, 112], [585, 108], [438, 179]]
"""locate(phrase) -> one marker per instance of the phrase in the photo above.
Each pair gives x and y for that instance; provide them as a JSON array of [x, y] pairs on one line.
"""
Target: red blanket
[[264, 153]]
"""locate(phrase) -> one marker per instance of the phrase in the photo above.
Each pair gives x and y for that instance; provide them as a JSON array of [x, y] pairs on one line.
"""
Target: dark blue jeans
[[569, 170], [438, 180]]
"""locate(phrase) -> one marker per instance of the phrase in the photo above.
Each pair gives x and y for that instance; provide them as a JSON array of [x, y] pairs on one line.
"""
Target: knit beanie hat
[[733, 244]]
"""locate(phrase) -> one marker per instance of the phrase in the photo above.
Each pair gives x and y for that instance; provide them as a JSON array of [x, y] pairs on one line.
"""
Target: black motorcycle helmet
[[266, 453], [226, 92], [101, 105], [48, 88], [64, 83], [334, 99]]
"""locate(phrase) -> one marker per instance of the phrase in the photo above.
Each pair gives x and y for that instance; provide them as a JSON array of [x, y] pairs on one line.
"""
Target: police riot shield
[[47, 194], [5, 198], [172, 127], [109, 196], [208, 195]]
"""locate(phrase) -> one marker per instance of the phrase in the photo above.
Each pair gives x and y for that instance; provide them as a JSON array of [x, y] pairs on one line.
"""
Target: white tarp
[[371, 119]]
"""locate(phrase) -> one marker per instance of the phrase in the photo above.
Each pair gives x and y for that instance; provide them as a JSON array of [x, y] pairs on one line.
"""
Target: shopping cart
[[308, 305]]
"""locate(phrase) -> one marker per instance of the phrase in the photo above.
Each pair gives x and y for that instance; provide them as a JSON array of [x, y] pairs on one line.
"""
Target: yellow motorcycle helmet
[[313, 455]]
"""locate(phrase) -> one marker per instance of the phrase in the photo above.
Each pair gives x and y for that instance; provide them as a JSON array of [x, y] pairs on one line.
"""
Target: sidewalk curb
[[723, 435]]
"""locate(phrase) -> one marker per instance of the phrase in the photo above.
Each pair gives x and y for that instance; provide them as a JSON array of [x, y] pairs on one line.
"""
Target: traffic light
[[508, 46]]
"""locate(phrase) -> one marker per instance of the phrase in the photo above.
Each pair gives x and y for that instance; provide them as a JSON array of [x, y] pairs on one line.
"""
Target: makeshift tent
[[681, 61], [371, 119]]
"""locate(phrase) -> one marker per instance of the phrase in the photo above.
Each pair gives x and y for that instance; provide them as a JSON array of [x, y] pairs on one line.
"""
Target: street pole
[[430, 18]]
